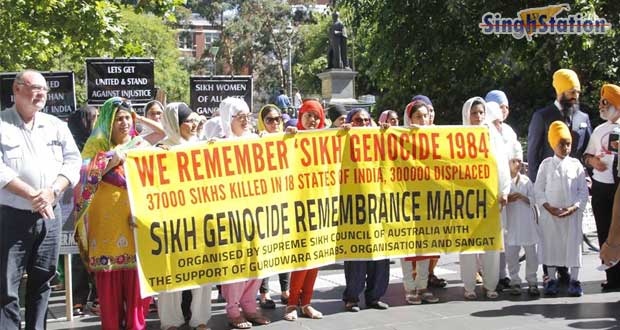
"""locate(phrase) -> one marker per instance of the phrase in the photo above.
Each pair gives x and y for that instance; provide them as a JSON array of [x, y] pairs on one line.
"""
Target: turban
[[496, 96], [612, 94], [558, 130], [565, 79], [515, 150]]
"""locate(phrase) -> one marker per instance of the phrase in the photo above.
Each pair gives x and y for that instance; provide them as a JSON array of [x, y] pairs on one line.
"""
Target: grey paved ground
[[595, 310]]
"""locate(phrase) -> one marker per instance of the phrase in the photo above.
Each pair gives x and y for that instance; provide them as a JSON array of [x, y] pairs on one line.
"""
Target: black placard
[[60, 98], [131, 78], [207, 92]]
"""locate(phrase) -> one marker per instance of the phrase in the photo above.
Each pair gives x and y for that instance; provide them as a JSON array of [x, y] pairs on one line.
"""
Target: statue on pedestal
[[337, 54]]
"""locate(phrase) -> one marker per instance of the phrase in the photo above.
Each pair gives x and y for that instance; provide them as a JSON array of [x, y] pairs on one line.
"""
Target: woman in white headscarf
[[181, 126], [235, 122], [474, 113]]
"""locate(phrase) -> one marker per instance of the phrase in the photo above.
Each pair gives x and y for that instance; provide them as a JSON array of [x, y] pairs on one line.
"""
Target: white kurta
[[561, 183], [521, 226]]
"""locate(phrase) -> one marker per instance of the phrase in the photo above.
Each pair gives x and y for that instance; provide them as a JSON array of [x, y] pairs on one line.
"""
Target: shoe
[[378, 305], [492, 294], [436, 282], [290, 313], [551, 288], [503, 284], [413, 298], [267, 304], [78, 310], [574, 289], [470, 295], [284, 300], [533, 290], [514, 290], [428, 297], [309, 312], [352, 307]]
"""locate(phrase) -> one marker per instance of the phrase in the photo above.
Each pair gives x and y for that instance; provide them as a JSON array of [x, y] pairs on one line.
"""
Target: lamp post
[[213, 50], [289, 33]]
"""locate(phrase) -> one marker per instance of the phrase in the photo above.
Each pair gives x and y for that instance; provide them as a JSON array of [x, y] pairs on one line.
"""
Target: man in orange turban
[[600, 156], [565, 108]]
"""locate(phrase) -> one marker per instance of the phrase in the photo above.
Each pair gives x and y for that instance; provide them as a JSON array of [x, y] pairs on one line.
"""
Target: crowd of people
[[541, 212]]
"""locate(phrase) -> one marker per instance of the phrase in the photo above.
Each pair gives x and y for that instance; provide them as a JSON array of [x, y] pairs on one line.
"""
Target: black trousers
[[602, 204]]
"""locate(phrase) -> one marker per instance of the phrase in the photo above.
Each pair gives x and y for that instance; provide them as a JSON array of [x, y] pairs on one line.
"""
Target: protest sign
[[232, 210], [206, 93], [131, 78]]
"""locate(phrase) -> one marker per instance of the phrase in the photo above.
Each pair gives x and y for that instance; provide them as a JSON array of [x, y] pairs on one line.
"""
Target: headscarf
[[213, 128], [311, 106], [81, 124], [612, 94], [565, 79], [496, 96], [353, 112], [335, 111], [467, 108], [174, 115], [515, 150], [558, 130], [231, 106], [422, 98], [101, 137], [493, 112], [409, 107], [383, 117], [263, 113], [150, 104]]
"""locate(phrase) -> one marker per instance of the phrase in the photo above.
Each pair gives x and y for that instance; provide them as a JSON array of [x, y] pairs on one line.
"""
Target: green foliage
[[408, 47], [58, 35], [148, 36]]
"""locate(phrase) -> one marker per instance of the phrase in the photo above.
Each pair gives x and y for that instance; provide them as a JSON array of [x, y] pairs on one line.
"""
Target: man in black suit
[[566, 109]]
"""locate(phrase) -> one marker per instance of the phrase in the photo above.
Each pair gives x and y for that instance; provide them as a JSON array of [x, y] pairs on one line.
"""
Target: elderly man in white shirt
[[39, 161]]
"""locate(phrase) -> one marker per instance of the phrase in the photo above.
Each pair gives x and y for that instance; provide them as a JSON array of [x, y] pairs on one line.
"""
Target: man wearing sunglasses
[[39, 159]]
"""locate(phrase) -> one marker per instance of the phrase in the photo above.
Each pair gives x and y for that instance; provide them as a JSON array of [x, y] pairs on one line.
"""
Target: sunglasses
[[271, 120], [122, 104]]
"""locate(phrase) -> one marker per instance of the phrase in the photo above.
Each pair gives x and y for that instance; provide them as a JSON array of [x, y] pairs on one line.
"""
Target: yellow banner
[[239, 209]]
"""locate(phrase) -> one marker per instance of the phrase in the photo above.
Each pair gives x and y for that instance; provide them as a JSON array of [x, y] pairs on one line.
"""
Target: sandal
[[413, 298], [257, 318], [95, 309], [240, 323], [78, 310], [470, 295], [310, 312], [290, 313], [267, 304], [492, 294]]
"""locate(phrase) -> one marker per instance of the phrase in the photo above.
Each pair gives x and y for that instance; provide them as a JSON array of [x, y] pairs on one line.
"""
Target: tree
[[436, 48]]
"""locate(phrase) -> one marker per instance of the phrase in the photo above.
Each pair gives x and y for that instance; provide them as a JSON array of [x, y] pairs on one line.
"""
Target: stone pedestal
[[338, 86]]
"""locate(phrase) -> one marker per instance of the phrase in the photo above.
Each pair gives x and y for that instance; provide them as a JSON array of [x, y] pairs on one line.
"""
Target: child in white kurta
[[521, 225], [561, 193]]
